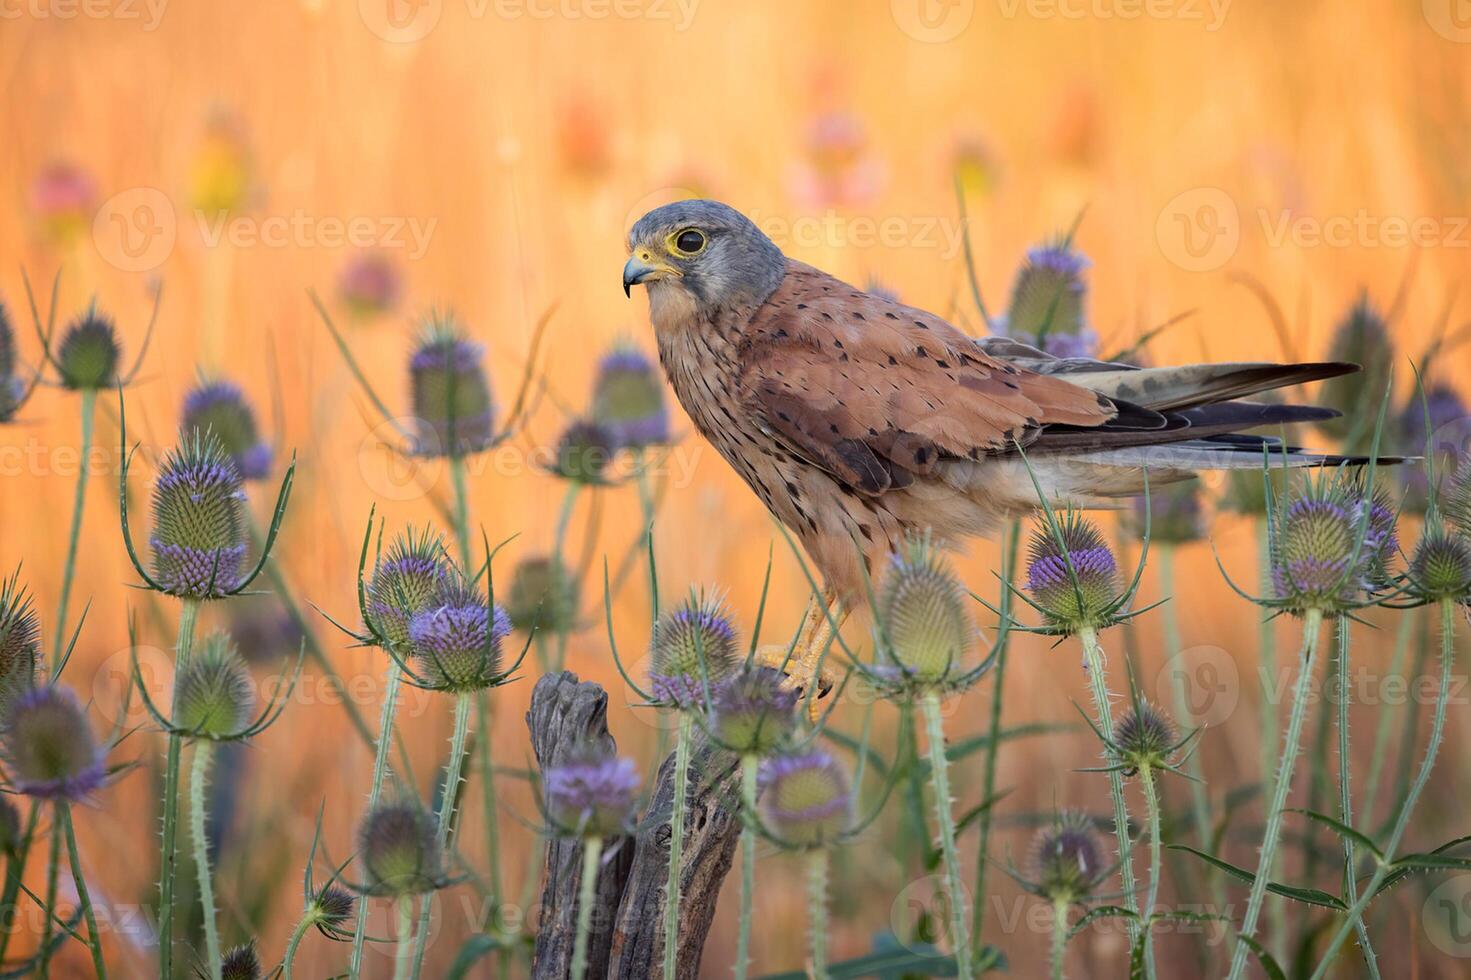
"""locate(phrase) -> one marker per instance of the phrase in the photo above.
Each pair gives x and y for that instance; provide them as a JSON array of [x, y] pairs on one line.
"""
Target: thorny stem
[[79, 880], [375, 793], [1170, 624], [1402, 820], [1093, 664], [817, 911], [592, 855], [1281, 784], [485, 763], [1403, 633], [453, 769], [289, 960], [169, 857], [403, 956], [750, 766], [940, 776], [462, 510], [43, 969], [1345, 788], [198, 777], [1267, 656], [1059, 936], [676, 843], [1151, 812], [15, 863], [69, 570], [998, 686]]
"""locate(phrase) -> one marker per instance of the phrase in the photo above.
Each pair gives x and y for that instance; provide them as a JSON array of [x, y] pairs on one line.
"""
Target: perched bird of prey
[[860, 421]]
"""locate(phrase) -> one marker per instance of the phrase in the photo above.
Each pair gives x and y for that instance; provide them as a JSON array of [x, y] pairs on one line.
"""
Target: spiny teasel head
[[1381, 537], [48, 746], [198, 520], [406, 581], [1318, 559], [453, 408], [1441, 567], [1441, 407], [398, 849], [752, 711], [806, 798], [543, 595], [370, 284], [922, 614], [221, 408], [584, 452], [241, 963], [1086, 595], [628, 398], [214, 695], [456, 639], [1145, 737], [12, 386], [1361, 338], [1047, 300], [592, 794], [1456, 502], [1174, 513], [90, 352], [1066, 862], [693, 643], [20, 639], [332, 905]]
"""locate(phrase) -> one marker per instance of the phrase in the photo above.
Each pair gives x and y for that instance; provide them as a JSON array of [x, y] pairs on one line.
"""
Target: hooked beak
[[642, 267]]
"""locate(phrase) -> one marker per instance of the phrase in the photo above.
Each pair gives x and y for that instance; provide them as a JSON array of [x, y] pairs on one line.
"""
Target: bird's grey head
[[705, 253]]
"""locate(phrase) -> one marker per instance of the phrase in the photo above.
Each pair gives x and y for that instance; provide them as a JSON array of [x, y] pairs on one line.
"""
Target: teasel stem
[[1281, 785], [1267, 659], [750, 766], [1402, 819], [43, 968], [289, 960], [169, 856], [79, 880], [940, 778], [198, 783], [79, 503], [452, 774], [1345, 788], [559, 544], [1402, 636], [1011, 542], [15, 865], [1059, 936], [375, 793], [1093, 663], [817, 865], [676, 843], [461, 509], [404, 955], [592, 856], [1151, 813]]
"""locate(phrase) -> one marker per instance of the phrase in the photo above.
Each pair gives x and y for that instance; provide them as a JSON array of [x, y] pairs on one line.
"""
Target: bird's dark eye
[[690, 241]]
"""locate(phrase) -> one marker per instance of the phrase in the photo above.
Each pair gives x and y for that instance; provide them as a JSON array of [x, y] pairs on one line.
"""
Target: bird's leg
[[812, 659]]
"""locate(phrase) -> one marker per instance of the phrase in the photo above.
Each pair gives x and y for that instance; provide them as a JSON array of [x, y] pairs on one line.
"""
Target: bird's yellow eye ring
[[687, 242]]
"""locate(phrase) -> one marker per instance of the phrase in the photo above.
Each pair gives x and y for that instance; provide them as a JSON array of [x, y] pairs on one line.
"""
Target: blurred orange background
[[495, 154]]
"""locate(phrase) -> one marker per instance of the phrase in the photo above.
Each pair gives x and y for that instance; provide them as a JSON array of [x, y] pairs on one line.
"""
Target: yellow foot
[[801, 673]]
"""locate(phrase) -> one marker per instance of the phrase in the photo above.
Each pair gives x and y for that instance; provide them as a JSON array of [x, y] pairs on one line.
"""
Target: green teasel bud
[[693, 643], [398, 849], [241, 963], [333, 905], [806, 798], [544, 595], [405, 582], [20, 649], [1067, 862], [1441, 567], [1145, 736], [215, 697], [584, 452], [922, 613], [90, 353], [1085, 596], [1361, 338]]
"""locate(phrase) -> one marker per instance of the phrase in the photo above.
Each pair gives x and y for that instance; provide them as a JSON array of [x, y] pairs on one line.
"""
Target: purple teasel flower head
[[922, 613], [49, 750], [753, 711], [370, 284], [693, 643], [806, 798], [584, 452], [220, 407], [398, 849], [628, 398], [456, 639], [454, 411], [198, 520], [1071, 604], [593, 794], [1318, 558], [405, 582], [1067, 862]]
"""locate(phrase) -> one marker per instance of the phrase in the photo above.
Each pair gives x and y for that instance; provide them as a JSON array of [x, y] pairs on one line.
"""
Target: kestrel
[[860, 421]]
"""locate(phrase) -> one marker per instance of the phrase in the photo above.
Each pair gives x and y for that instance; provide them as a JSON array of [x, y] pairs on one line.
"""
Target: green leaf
[[1432, 862], [474, 948], [924, 961], [1101, 912], [1269, 966], [970, 746], [1308, 896], [1343, 830]]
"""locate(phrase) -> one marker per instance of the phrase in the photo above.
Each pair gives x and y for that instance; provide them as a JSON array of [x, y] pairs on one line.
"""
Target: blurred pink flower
[[840, 168], [583, 140], [63, 197], [370, 284]]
